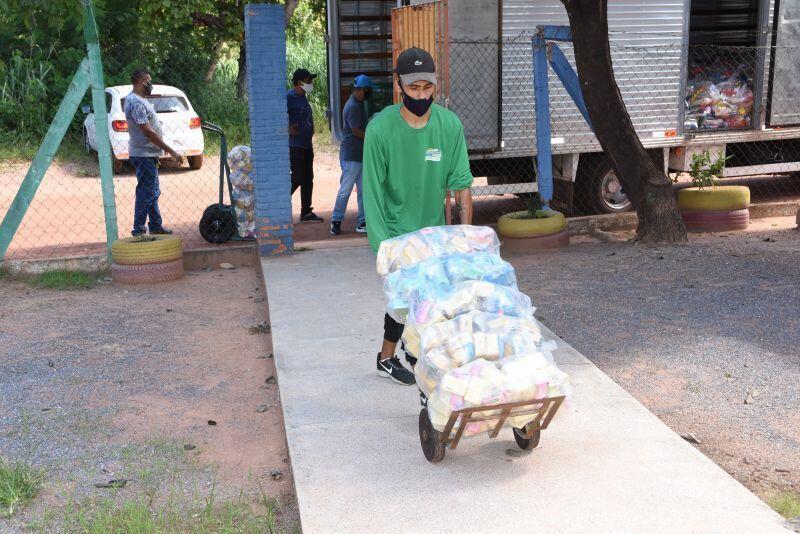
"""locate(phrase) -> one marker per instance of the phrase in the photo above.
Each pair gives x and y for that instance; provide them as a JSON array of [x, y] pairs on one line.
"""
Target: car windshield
[[166, 103]]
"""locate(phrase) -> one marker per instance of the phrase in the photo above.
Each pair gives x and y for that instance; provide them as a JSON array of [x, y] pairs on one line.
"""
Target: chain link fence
[[681, 101], [737, 102], [66, 217]]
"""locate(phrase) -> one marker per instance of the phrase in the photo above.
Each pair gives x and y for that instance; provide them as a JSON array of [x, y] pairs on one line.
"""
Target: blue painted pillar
[[265, 40], [544, 151]]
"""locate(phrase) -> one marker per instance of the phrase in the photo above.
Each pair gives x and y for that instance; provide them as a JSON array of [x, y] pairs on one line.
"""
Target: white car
[[180, 124]]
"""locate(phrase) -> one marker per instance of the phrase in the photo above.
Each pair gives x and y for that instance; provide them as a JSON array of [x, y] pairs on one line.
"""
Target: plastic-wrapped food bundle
[[434, 241], [443, 271], [433, 304], [474, 335], [718, 100], [487, 383], [241, 167]]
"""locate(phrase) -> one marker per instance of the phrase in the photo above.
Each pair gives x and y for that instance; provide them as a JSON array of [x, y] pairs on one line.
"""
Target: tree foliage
[[191, 44]]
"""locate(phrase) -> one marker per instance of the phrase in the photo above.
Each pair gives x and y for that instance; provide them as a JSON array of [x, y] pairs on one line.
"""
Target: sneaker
[[412, 361], [336, 227], [137, 233], [310, 217], [392, 368], [361, 228], [161, 231]]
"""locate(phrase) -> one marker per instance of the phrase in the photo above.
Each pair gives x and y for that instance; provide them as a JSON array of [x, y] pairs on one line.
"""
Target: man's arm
[[374, 177], [357, 120], [464, 203], [154, 138], [460, 178]]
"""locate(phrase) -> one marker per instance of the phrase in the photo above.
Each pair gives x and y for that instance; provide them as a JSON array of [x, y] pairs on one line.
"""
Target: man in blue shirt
[[354, 122], [301, 151]]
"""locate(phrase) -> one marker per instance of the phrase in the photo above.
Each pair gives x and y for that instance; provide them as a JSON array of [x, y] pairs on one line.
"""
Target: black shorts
[[392, 330]]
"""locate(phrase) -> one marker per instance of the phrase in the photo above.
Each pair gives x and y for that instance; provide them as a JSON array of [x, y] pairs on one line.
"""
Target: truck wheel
[[195, 162], [600, 191]]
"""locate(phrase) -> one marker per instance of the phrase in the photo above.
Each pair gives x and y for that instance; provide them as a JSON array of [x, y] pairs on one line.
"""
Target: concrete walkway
[[606, 464]]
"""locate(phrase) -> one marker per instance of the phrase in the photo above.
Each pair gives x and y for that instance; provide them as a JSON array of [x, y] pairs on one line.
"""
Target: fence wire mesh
[[66, 216], [735, 101], [739, 102]]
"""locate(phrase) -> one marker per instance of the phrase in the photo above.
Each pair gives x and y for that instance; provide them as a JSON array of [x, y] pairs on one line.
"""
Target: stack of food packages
[[472, 330], [244, 201], [718, 100]]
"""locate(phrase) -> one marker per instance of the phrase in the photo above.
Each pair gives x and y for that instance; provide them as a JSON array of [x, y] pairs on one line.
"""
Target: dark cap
[[415, 64], [302, 74]]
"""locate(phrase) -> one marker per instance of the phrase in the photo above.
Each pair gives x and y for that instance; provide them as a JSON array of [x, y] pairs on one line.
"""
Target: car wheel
[[601, 190], [195, 162]]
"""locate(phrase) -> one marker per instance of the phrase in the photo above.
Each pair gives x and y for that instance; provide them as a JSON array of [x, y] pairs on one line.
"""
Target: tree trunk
[[648, 188], [241, 77], [212, 66], [289, 8]]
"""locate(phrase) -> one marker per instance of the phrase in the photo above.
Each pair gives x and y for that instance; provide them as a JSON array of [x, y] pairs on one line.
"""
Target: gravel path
[[116, 382], [706, 335]]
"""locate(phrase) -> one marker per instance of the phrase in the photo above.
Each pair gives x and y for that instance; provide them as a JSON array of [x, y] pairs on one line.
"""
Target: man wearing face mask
[[145, 146], [414, 153], [301, 151], [354, 122]]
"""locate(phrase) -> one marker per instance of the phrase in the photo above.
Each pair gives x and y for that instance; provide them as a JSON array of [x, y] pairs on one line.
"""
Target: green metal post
[[44, 156], [101, 123]]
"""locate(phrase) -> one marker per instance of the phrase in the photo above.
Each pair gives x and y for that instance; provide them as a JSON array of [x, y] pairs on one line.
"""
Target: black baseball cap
[[415, 64], [302, 74]]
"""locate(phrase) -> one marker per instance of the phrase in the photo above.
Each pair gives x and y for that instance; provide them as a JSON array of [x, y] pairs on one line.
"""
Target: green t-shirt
[[407, 171]]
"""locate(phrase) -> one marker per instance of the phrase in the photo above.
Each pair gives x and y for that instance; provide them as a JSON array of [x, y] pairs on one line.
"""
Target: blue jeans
[[351, 175], [147, 193]]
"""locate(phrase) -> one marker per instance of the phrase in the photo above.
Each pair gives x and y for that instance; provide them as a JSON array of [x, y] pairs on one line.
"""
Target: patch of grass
[[236, 515], [787, 504], [19, 484], [63, 280]]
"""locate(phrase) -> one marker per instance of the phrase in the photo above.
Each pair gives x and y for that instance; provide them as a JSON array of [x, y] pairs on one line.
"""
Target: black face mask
[[417, 106], [148, 88], [367, 94]]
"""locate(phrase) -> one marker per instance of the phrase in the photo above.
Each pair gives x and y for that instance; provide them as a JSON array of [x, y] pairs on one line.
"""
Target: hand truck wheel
[[524, 443], [430, 438]]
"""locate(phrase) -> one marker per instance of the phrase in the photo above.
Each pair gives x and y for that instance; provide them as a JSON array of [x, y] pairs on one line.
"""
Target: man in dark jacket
[[301, 151]]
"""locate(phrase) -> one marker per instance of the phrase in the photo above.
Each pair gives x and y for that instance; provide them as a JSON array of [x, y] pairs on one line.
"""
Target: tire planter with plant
[[147, 259], [708, 207], [534, 229], [151, 273]]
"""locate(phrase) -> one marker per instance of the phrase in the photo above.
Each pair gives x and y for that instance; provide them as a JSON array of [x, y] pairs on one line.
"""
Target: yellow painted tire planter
[[143, 250], [515, 226], [719, 198]]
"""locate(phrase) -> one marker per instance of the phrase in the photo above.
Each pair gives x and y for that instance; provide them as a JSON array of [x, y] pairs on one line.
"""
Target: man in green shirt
[[414, 153]]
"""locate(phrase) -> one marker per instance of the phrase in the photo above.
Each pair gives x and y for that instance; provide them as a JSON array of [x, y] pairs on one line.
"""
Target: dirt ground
[[705, 335], [171, 387]]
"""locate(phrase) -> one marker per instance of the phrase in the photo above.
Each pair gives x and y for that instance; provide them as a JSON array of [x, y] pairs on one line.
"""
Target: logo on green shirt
[[433, 154]]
